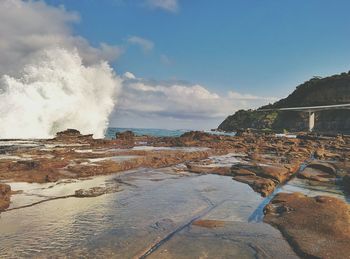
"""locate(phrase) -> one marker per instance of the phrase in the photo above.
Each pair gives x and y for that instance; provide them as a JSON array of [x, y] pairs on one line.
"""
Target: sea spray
[[56, 91]]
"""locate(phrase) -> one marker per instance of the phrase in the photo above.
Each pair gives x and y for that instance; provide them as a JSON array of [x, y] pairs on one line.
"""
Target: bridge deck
[[311, 108]]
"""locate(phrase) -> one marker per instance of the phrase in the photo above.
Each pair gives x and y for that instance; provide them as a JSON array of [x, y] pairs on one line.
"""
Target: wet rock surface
[[263, 161], [5, 193], [95, 191], [317, 227], [268, 160]]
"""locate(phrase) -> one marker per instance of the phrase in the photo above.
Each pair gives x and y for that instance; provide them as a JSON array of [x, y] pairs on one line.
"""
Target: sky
[[191, 63]]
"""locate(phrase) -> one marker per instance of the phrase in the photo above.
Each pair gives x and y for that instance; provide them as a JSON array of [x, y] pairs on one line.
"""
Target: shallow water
[[313, 189], [183, 149], [153, 214], [114, 158]]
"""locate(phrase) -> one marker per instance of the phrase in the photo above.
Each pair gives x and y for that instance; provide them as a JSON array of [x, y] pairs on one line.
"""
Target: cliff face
[[317, 91]]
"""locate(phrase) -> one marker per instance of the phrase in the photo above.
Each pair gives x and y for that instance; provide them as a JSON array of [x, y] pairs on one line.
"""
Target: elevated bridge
[[311, 111]]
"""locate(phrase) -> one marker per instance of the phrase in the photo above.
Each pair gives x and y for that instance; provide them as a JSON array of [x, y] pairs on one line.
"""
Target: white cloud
[[158, 102], [129, 75], [167, 5], [145, 44], [238, 96], [30, 26]]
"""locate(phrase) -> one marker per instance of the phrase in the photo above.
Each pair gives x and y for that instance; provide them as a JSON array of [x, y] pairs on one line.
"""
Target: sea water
[[110, 133]]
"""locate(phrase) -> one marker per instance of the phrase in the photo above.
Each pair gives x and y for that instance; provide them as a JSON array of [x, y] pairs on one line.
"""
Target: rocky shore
[[317, 227], [263, 161]]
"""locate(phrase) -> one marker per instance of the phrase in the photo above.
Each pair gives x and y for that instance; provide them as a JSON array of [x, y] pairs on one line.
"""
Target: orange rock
[[316, 227], [5, 192]]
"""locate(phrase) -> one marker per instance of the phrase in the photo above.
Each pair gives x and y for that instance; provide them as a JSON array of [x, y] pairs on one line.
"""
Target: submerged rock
[[316, 227], [209, 223], [95, 191]]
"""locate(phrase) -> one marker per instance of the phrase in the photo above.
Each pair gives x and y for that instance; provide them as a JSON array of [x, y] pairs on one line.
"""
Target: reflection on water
[[311, 188], [154, 205]]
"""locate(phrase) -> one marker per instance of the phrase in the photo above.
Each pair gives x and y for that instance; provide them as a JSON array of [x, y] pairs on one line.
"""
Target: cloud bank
[[178, 103]]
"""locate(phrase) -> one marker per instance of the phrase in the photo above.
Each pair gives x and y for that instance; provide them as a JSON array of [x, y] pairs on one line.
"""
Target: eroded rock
[[221, 170], [316, 227], [72, 136], [319, 171]]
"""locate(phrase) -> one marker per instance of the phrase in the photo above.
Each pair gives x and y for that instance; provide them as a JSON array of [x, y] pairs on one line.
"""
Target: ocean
[[110, 133]]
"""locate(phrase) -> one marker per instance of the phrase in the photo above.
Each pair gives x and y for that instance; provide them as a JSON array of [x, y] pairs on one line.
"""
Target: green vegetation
[[317, 91]]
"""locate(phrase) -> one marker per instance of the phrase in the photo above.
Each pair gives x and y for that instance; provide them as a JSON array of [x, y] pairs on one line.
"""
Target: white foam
[[55, 91]]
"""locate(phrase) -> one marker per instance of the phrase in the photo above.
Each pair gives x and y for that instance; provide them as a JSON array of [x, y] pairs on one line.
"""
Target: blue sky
[[259, 47], [175, 63]]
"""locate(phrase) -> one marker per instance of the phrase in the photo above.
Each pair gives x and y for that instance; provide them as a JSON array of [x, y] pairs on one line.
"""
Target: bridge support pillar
[[311, 121]]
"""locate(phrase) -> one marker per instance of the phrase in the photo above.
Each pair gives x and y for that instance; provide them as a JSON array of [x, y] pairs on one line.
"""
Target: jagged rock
[[72, 136], [68, 133]]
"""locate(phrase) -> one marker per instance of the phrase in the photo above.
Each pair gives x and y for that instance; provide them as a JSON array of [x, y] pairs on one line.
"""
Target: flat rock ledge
[[316, 227]]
